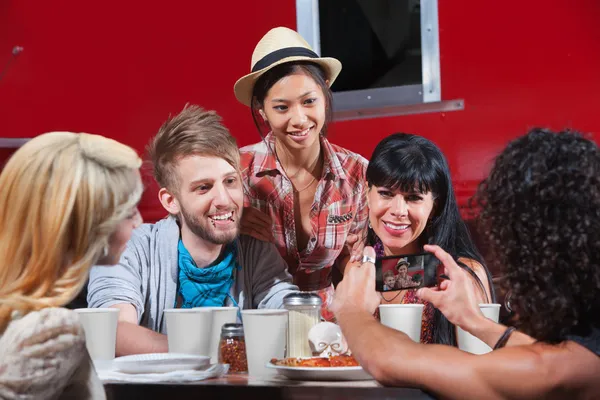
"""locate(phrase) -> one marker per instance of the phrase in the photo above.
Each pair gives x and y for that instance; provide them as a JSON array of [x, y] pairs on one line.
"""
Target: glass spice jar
[[232, 348]]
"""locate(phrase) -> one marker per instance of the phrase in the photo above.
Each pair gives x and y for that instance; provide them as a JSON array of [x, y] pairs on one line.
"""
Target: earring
[[105, 251], [370, 227], [507, 301]]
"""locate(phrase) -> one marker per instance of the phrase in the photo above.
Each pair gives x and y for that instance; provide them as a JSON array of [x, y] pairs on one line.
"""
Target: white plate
[[322, 373], [159, 363]]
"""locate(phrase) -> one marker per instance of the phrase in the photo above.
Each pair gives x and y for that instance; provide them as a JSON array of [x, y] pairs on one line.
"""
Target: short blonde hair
[[388, 273], [63, 195], [193, 131]]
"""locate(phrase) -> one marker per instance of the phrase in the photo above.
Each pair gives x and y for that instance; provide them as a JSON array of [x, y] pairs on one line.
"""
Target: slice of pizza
[[343, 361], [285, 362], [315, 362], [302, 362]]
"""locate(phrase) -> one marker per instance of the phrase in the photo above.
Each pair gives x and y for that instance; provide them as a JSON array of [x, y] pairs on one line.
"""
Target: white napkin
[[213, 371]]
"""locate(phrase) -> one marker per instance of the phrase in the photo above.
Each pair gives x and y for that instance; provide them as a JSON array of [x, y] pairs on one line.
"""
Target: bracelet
[[504, 338]]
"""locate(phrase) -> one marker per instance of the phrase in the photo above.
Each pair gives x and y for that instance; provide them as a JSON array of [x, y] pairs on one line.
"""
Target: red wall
[[120, 68]]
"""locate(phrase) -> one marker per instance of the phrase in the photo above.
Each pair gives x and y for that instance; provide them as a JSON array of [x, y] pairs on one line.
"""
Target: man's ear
[[168, 201]]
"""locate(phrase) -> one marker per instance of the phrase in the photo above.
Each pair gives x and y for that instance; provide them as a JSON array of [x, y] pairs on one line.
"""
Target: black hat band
[[280, 54]]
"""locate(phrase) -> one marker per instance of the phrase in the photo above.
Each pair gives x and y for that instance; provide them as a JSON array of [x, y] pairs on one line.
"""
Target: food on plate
[[343, 361], [334, 361]]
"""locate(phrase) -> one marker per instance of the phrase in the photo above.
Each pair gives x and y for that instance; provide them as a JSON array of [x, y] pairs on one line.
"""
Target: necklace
[[392, 299], [312, 167], [305, 187]]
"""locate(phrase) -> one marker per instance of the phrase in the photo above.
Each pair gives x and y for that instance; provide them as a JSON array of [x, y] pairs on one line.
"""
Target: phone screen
[[409, 271]]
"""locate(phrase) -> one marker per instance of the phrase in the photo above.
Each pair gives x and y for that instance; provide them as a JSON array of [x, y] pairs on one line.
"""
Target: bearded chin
[[217, 238], [209, 232]]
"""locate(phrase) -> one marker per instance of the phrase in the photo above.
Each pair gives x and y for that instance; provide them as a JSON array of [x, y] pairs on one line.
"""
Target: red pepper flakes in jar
[[232, 348]]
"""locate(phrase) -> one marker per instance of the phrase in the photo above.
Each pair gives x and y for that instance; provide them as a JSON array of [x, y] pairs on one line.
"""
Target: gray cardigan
[[148, 271]]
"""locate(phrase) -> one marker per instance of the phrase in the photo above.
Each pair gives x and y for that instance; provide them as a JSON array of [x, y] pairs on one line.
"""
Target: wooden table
[[242, 387]]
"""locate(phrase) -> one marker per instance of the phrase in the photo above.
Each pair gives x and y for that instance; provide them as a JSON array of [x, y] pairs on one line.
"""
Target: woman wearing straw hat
[[403, 280], [303, 193]]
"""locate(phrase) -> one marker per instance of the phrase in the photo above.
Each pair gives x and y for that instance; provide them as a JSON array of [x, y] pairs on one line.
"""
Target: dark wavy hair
[[540, 212], [408, 162]]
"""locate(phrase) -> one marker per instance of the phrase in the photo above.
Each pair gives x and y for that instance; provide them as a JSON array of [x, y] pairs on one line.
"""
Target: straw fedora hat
[[281, 45], [403, 261]]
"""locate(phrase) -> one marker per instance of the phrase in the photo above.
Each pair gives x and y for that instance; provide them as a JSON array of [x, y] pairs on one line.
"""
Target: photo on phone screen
[[411, 271]]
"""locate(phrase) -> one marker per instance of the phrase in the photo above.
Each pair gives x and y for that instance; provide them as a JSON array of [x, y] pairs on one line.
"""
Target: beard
[[207, 231]]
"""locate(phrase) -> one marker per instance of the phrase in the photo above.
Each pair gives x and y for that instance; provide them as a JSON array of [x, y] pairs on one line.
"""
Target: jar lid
[[232, 330], [302, 299]]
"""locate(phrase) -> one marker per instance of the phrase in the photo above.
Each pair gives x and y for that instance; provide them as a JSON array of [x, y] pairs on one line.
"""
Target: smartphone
[[409, 271]]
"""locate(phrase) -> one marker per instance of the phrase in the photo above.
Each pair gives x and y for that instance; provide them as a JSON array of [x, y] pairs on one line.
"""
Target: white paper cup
[[100, 326], [220, 317], [470, 343], [403, 317], [265, 332], [188, 330]]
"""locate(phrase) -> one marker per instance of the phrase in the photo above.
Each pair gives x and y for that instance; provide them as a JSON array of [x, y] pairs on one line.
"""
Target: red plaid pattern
[[339, 209]]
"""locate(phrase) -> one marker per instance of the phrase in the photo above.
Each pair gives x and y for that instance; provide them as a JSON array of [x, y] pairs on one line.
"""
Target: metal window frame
[[397, 100]]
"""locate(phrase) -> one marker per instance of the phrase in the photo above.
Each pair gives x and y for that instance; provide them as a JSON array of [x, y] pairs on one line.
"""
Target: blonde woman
[[68, 201]]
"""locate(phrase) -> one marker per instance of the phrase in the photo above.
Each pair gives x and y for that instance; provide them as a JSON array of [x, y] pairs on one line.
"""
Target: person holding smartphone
[[540, 209], [411, 204]]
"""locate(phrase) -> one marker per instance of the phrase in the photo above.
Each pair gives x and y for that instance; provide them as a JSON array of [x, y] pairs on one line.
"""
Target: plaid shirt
[[339, 208]]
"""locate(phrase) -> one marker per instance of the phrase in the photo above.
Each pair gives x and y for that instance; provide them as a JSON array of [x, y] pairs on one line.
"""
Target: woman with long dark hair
[[540, 212], [411, 204]]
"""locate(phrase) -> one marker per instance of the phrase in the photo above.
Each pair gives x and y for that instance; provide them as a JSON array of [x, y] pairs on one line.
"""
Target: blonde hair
[[63, 194], [193, 131], [388, 273]]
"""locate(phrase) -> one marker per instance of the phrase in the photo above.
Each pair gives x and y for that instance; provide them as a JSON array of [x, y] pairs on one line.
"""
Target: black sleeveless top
[[590, 342]]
